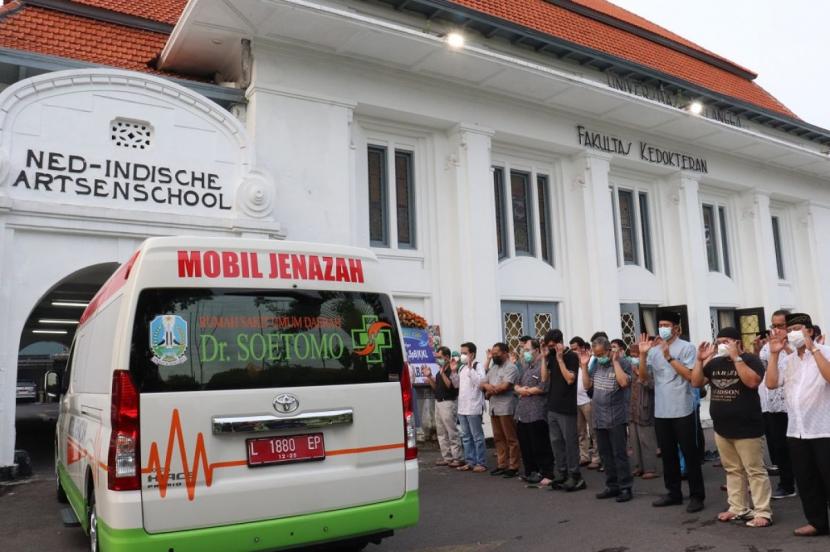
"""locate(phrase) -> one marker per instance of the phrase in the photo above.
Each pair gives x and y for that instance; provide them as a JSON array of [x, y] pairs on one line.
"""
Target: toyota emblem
[[285, 403]]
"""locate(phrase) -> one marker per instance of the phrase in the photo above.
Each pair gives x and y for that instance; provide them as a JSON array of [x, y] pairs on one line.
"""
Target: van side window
[[203, 339]]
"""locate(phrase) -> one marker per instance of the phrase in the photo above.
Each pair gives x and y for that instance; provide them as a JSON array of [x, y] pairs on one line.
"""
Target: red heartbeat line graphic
[[372, 333], [176, 437]]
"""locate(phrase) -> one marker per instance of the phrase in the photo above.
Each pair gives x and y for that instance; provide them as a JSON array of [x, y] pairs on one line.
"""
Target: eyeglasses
[[778, 327]]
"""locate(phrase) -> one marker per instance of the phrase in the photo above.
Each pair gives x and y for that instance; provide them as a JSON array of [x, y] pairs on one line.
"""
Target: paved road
[[463, 512]]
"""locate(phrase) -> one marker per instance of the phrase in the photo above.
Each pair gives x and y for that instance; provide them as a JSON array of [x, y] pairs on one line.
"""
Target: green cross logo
[[370, 341]]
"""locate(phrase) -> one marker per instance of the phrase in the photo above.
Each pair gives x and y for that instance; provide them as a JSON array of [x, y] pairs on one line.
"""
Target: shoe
[[583, 463], [808, 531], [608, 493], [695, 505], [574, 484], [441, 462], [781, 492], [650, 475], [510, 474], [666, 500], [480, 469], [497, 471], [624, 496], [773, 471], [456, 464], [558, 481], [534, 478]]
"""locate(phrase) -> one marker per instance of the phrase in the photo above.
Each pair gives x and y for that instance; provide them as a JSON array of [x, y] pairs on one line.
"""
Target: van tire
[[60, 494], [92, 521]]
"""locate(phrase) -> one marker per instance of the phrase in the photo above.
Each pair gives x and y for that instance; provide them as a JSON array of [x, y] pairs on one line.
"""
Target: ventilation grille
[[131, 134]]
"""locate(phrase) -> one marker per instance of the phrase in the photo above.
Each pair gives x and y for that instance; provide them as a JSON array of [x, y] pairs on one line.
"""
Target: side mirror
[[52, 384]]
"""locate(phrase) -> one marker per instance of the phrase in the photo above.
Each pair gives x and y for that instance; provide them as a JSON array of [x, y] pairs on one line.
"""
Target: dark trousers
[[775, 428], [534, 443], [811, 465], [672, 432], [613, 450]]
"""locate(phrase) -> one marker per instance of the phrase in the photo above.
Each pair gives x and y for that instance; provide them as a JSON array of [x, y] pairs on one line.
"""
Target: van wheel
[[92, 521], [60, 494]]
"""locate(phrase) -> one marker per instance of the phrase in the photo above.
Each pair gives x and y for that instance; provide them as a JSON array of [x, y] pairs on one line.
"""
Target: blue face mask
[[665, 333], [528, 356], [635, 361], [603, 360]]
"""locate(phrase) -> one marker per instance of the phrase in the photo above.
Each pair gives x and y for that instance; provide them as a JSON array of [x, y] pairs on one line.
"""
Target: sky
[[786, 43]]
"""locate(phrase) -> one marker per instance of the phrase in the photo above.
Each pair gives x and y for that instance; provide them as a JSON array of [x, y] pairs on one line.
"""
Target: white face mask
[[665, 333], [796, 338], [723, 349], [464, 359]]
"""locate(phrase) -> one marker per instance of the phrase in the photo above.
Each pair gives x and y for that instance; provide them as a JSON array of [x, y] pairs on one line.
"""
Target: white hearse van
[[236, 394]]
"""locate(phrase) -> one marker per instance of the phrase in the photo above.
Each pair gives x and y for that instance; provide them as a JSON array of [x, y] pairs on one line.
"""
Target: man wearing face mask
[[531, 418], [610, 381], [774, 407], [669, 361], [561, 367], [471, 409], [498, 388], [641, 429], [445, 387], [806, 382], [739, 425]]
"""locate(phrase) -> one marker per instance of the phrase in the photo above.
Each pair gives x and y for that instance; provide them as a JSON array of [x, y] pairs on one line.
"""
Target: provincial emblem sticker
[[168, 339]]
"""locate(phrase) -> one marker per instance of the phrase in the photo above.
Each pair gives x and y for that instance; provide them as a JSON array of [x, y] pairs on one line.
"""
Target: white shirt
[[772, 400], [808, 396], [581, 394], [470, 395]]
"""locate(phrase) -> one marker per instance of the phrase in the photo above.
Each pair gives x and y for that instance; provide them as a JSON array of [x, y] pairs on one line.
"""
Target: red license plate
[[286, 449]]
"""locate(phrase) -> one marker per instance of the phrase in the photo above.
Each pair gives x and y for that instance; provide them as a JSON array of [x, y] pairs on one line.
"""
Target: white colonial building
[[516, 165]]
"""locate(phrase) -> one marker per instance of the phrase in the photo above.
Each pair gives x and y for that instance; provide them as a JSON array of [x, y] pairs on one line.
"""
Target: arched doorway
[[44, 344]]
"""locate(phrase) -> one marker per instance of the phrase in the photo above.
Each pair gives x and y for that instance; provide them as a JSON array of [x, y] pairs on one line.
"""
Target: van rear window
[[203, 339]]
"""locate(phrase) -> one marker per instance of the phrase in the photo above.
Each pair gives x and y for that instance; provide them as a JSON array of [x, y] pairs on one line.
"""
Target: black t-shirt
[[562, 395], [735, 408], [442, 391]]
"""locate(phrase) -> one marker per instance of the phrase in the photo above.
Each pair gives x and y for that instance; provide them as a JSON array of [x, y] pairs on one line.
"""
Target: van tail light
[[123, 466], [410, 435]]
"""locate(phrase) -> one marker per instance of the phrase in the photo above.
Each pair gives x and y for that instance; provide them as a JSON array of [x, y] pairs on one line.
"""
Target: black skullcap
[[731, 333], [799, 318], [664, 315]]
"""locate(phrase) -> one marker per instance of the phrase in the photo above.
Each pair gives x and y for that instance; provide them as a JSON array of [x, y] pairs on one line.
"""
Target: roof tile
[[59, 34], [163, 11], [550, 19]]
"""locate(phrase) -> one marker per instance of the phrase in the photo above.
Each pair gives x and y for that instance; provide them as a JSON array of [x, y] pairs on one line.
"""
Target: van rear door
[[262, 404]]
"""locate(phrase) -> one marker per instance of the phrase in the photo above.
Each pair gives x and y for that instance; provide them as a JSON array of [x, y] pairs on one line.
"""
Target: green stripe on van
[[270, 534], [75, 496]]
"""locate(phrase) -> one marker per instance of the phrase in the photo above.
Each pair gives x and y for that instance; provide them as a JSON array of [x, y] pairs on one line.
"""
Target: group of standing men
[[547, 405]]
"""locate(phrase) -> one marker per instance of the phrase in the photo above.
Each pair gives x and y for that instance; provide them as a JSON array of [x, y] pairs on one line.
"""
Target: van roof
[[121, 276]]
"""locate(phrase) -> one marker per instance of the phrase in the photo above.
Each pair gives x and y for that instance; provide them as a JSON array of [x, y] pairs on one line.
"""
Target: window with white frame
[[391, 187], [524, 212], [632, 226], [716, 238]]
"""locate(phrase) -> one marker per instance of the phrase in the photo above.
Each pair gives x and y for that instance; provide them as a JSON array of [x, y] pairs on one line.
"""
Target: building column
[[9, 342], [476, 263], [759, 272], [591, 266], [687, 267], [812, 232]]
